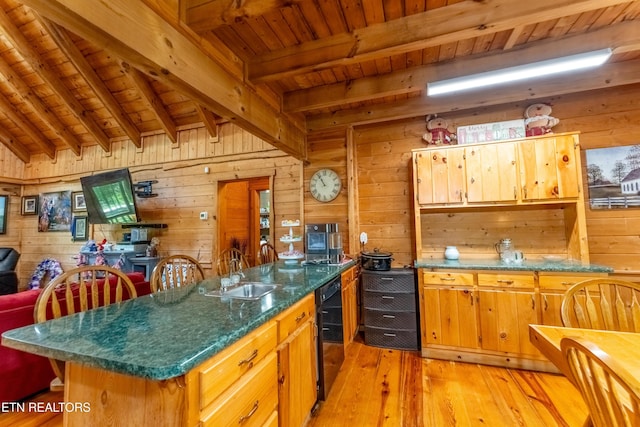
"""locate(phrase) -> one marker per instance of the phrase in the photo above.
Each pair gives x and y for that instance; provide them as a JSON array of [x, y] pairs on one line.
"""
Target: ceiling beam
[[41, 68], [64, 42], [619, 37], [449, 24], [608, 75], [27, 127], [139, 80], [209, 120], [137, 34], [14, 146], [26, 95]]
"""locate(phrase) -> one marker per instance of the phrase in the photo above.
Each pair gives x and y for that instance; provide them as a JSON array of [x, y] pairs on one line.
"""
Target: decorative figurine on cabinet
[[538, 120], [438, 131]]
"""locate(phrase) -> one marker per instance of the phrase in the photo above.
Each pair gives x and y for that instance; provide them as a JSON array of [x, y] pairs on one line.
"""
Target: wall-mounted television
[[109, 197]]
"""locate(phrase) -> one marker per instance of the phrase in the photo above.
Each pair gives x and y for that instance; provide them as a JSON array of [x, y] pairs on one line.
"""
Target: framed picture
[[30, 205], [79, 204], [613, 177], [79, 228], [55, 211], [4, 204]]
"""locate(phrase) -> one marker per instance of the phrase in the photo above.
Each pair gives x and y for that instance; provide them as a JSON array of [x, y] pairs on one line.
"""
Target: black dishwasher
[[330, 336]]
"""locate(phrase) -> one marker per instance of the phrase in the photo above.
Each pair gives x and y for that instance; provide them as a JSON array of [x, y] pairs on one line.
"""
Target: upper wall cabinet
[[543, 169]]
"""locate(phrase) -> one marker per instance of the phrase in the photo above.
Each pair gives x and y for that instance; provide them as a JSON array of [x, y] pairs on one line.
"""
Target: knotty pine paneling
[[183, 191]]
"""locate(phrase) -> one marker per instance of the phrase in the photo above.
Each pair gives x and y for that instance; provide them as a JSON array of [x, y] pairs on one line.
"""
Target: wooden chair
[[267, 253], [176, 271], [225, 258], [602, 303], [605, 386], [77, 290]]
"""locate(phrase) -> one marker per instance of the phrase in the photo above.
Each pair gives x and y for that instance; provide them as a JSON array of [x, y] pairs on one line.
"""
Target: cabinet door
[[449, 317], [349, 310], [297, 378], [440, 176], [491, 173], [504, 320], [548, 168]]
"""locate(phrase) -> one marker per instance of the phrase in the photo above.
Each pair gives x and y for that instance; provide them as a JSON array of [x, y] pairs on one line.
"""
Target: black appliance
[[323, 243], [330, 336]]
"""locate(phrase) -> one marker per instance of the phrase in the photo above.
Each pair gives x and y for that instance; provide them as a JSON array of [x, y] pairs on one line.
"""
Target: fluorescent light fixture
[[520, 72]]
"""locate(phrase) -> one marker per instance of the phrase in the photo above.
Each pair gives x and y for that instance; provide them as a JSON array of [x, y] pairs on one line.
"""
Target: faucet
[[235, 267]]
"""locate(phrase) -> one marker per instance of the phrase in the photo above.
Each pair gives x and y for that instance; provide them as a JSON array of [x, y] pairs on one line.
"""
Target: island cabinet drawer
[[250, 402], [449, 279], [296, 315], [506, 280], [563, 281], [224, 369]]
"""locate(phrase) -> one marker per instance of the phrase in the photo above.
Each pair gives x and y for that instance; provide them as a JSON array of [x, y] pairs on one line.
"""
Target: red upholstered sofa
[[23, 374]]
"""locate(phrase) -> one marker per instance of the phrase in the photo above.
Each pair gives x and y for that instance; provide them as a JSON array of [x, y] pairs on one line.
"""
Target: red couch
[[23, 374]]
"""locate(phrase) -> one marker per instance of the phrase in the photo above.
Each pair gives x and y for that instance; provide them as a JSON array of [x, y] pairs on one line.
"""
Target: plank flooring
[[382, 387]]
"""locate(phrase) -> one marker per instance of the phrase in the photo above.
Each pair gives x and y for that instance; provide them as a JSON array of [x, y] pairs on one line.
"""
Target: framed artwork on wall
[[79, 228], [55, 211], [79, 204], [4, 204], [613, 177], [29, 205]]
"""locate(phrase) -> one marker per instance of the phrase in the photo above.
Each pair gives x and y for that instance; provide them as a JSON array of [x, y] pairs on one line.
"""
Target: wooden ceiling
[[76, 73]]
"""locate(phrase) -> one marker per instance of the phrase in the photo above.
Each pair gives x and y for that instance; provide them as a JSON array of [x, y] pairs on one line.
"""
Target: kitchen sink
[[246, 291]]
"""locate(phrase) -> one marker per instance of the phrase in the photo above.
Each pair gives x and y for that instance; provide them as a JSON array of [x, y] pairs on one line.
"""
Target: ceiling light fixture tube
[[520, 72]]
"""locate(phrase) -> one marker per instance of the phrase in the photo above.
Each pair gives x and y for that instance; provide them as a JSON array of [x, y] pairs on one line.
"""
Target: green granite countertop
[[167, 334], [526, 265]]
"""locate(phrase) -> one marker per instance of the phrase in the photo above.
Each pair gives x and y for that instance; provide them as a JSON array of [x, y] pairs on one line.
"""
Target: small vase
[[451, 253]]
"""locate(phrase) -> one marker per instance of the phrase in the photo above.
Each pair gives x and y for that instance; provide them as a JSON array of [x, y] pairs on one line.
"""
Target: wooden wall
[[604, 118], [183, 191]]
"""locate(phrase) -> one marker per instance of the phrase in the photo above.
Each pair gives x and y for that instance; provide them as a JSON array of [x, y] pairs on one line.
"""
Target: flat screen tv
[[109, 197]]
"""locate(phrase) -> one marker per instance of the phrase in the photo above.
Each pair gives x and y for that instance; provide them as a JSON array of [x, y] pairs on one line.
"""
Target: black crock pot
[[376, 260]]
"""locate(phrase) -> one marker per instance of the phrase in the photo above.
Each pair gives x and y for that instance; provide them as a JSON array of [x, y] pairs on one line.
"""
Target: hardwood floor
[[382, 387]]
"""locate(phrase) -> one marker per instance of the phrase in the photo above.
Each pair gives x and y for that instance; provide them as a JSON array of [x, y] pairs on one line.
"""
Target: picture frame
[[54, 212], [79, 204], [80, 229], [613, 177], [4, 205], [29, 205]]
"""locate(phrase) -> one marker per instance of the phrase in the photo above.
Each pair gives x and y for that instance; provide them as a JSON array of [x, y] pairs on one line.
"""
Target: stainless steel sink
[[246, 291]]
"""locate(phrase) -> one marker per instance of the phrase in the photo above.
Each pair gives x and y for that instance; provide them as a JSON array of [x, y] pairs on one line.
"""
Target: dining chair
[[606, 387], [79, 290], [229, 256], [175, 271], [602, 303], [267, 253]]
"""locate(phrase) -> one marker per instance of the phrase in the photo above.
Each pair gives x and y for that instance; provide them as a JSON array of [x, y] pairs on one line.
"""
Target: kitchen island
[[145, 356]]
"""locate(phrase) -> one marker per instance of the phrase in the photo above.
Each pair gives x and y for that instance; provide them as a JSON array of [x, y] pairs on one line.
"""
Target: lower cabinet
[[552, 287], [349, 281], [297, 375]]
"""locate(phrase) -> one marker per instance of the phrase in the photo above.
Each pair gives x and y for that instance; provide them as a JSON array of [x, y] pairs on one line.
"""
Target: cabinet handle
[[386, 278], [387, 297], [249, 359], [388, 316], [250, 414], [472, 180], [533, 303], [448, 279], [567, 283], [389, 335], [515, 192], [546, 303], [302, 316], [525, 191], [508, 282]]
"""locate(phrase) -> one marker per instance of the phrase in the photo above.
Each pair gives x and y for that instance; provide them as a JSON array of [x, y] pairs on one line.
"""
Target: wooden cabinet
[[349, 281], [491, 173], [440, 176], [552, 288], [297, 375]]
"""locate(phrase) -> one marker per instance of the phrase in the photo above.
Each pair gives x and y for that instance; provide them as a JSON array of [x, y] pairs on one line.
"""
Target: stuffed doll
[[438, 131], [538, 120]]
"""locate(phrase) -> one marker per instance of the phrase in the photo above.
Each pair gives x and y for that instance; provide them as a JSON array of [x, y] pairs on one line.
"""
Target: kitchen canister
[[451, 253]]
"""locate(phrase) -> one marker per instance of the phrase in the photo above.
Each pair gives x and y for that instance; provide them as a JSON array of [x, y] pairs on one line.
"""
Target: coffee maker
[[323, 243]]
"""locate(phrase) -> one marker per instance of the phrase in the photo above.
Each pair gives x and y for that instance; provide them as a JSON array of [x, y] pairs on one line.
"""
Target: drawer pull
[[302, 316], [508, 282], [448, 279], [567, 283], [389, 335], [386, 278], [388, 316], [387, 297], [250, 414], [249, 359]]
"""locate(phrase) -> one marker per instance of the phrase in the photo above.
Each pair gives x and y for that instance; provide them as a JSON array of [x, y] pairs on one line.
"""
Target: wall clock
[[325, 185]]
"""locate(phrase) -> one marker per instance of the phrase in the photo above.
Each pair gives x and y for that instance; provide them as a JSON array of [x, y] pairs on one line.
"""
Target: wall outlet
[[204, 215]]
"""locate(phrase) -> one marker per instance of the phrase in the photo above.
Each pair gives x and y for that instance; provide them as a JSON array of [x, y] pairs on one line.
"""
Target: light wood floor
[[382, 387]]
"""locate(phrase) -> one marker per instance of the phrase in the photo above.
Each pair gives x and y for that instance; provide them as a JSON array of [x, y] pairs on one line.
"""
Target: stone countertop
[[526, 265], [164, 335]]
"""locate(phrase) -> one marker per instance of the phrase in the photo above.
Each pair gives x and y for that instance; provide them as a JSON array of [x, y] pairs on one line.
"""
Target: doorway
[[245, 215]]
